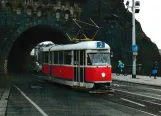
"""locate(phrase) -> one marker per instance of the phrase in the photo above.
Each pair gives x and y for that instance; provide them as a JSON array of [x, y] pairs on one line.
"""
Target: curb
[[137, 83], [4, 101]]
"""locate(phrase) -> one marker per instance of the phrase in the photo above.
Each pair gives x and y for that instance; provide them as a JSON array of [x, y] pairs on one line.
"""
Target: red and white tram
[[81, 65]]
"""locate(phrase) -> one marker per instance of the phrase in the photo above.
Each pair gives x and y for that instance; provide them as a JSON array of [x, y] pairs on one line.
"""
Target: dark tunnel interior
[[19, 57]]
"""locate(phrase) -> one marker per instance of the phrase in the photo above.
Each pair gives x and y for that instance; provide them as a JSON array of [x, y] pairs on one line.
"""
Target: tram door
[[50, 61], [79, 61]]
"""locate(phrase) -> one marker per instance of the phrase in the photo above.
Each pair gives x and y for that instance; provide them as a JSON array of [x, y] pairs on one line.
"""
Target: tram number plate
[[100, 45]]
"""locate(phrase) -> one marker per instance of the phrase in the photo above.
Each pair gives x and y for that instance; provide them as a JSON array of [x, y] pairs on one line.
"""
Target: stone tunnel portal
[[19, 56]]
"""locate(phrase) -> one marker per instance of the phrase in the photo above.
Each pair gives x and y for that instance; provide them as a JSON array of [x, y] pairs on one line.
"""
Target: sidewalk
[[146, 80], [4, 94]]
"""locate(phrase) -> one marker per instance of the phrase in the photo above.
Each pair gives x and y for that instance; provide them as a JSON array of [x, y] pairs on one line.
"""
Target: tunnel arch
[[19, 52]]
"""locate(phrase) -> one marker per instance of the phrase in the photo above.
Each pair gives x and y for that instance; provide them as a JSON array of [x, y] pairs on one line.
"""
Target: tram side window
[[42, 57], [89, 61], [60, 57], [55, 57], [82, 57], [67, 57], [76, 57], [46, 57], [52, 57]]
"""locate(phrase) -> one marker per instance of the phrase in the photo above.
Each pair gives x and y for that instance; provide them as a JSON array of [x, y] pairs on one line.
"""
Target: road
[[31, 96]]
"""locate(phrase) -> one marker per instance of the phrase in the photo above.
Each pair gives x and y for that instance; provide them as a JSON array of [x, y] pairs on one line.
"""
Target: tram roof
[[77, 46]]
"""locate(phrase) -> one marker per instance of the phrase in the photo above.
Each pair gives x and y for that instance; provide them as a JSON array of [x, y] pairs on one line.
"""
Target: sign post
[[135, 9]]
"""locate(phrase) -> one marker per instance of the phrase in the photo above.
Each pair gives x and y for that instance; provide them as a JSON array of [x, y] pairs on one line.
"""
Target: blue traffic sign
[[134, 48]]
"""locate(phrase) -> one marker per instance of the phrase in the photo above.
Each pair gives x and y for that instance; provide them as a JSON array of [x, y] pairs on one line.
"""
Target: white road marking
[[157, 95], [133, 102], [146, 88], [154, 89], [36, 87], [151, 102], [118, 85], [144, 112], [36, 75], [38, 79], [138, 94], [34, 104], [110, 94]]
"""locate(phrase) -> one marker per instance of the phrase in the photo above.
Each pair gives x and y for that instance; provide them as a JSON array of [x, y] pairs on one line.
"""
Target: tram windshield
[[99, 59]]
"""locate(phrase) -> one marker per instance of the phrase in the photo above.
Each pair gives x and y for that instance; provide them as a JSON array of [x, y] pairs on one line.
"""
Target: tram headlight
[[103, 74]]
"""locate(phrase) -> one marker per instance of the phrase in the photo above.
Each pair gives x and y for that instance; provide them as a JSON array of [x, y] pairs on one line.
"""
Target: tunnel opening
[[19, 56]]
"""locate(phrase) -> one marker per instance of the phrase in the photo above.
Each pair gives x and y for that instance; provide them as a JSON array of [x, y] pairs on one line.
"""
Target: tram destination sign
[[100, 44]]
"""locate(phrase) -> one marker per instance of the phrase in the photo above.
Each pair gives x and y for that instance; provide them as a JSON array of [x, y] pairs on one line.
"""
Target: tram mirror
[[111, 54]]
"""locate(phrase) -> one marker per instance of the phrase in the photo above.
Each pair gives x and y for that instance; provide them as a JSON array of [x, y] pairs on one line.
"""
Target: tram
[[83, 65]]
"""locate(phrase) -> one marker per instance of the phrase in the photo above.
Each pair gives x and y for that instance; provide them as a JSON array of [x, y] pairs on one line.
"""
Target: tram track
[[54, 99], [134, 100]]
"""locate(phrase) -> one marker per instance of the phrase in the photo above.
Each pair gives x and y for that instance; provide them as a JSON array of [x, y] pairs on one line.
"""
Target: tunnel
[[19, 56]]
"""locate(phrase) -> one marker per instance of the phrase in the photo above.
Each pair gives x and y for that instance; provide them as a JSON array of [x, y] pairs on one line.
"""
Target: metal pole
[[133, 39]]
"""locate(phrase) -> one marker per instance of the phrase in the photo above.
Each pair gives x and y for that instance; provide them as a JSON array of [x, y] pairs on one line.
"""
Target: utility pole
[[133, 40], [135, 9]]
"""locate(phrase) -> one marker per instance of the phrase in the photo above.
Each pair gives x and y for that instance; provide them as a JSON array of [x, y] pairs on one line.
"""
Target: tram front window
[[99, 59]]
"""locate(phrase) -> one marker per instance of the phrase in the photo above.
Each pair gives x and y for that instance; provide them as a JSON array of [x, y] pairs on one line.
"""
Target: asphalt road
[[31, 96]]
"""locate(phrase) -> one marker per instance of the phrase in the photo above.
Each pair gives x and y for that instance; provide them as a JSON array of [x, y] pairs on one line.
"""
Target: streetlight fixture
[[66, 16], [58, 14], [135, 9]]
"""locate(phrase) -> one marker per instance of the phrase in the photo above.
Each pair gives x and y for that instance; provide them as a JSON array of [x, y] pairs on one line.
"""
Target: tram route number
[[100, 45]]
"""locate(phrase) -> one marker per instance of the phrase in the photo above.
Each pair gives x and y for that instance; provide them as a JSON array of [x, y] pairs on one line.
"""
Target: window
[[82, 57], [76, 58], [52, 53], [79, 57], [50, 57], [55, 57], [99, 58], [89, 60], [61, 57], [42, 57], [46, 55], [67, 57]]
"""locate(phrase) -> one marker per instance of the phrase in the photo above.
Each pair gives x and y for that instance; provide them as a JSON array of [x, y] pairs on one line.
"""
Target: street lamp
[[66, 16], [58, 14], [135, 9]]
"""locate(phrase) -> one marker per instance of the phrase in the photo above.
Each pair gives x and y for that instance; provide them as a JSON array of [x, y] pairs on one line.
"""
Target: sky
[[150, 19]]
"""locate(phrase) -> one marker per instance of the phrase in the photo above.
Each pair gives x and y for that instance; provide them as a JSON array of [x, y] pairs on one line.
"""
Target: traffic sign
[[134, 48]]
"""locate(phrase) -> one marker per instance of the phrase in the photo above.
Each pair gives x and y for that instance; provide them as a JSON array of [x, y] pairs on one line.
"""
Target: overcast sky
[[150, 19]]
